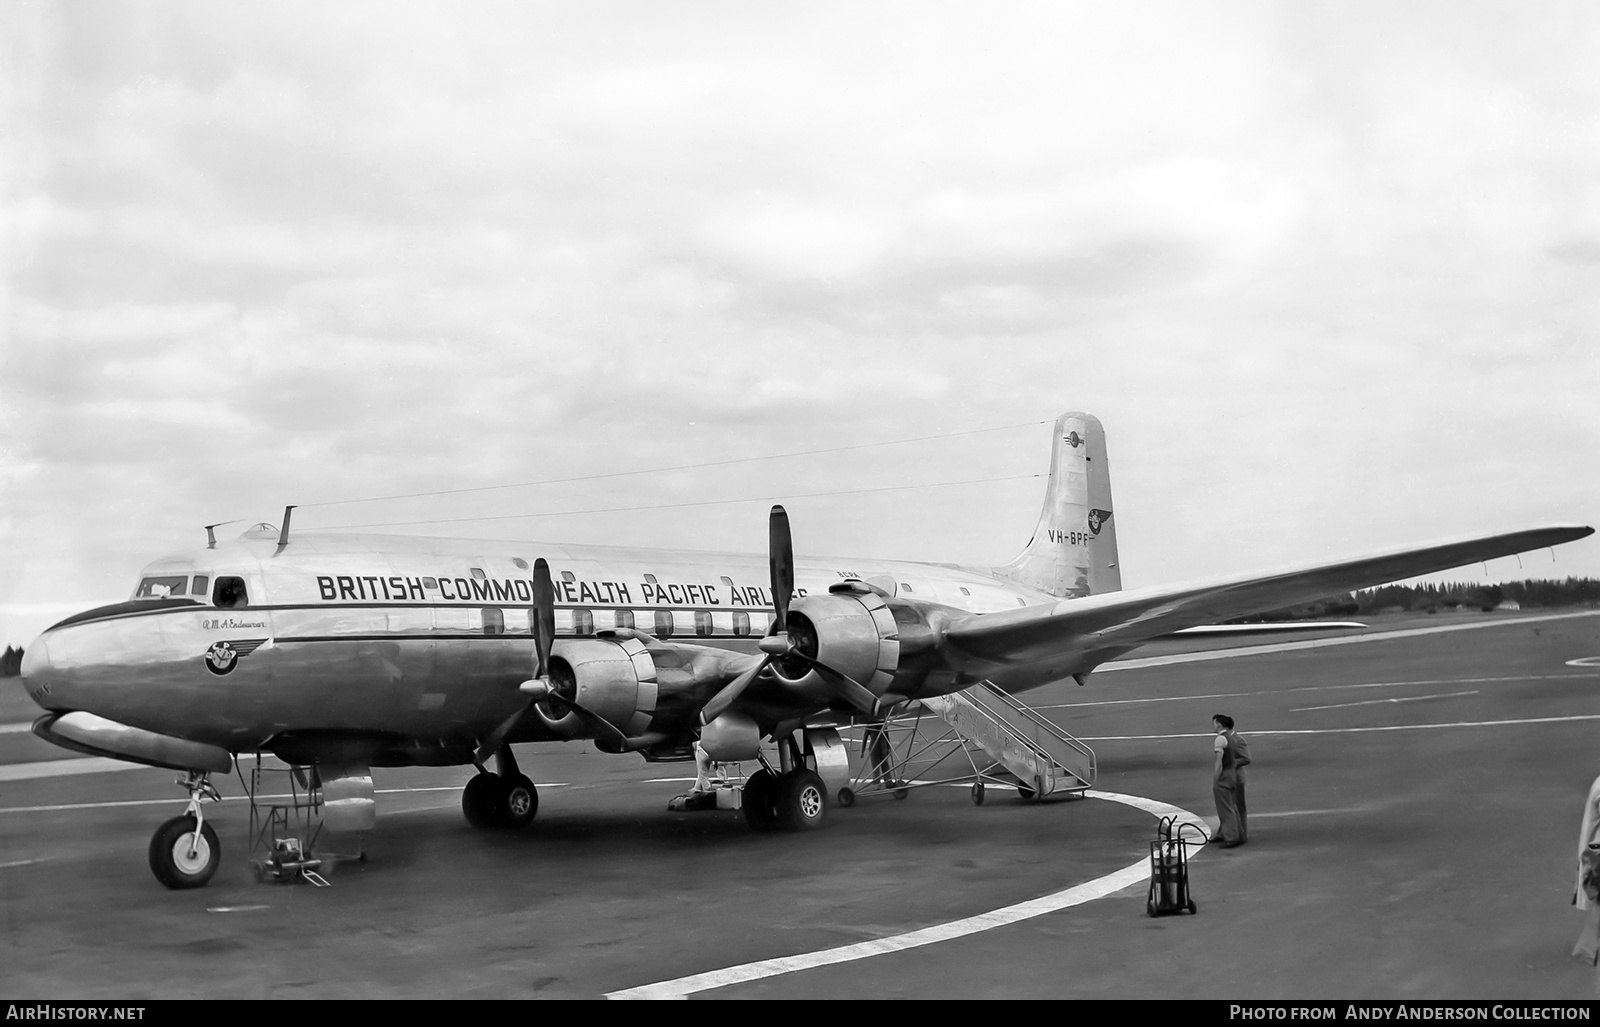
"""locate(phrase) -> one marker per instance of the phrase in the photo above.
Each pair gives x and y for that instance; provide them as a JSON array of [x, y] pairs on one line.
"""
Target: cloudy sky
[[1329, 273]]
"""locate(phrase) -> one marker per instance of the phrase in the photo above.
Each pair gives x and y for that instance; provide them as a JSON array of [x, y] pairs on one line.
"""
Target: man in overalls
[[1230, 755]]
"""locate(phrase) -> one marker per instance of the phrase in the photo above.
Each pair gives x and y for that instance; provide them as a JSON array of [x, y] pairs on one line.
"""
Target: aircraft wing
[[1081, 633]]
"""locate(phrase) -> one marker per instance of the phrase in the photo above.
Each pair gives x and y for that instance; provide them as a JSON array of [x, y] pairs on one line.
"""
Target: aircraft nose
[[35, 671]]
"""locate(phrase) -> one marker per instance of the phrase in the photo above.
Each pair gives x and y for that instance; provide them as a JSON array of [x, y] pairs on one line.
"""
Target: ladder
[[980, 736], [1043, 758]]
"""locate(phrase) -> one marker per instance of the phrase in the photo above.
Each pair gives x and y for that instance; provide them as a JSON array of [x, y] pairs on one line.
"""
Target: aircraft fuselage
[[419, 642]]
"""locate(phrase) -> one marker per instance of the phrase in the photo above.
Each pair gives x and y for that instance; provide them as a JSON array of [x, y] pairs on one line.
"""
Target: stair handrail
[[970, 694]]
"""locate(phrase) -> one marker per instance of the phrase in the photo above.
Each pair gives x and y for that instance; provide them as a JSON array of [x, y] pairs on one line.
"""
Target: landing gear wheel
[[520, 802], [483, 801], [977, 793], [847, 797], [182, 859], [759, 790], [802, 800]]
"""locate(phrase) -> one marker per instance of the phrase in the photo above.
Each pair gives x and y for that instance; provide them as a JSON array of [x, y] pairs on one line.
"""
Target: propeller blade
[[846, 688], [544, 616], [723, 699], [605, 732], [780, 560]]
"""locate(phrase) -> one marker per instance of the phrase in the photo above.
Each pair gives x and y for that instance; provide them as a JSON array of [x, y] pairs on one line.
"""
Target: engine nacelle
[[851, 629], [731, 738], [614, 678]]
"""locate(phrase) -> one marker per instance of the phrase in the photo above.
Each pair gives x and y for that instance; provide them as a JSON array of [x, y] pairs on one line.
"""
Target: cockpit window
[[162, 587], [229, 593], [202, 585]]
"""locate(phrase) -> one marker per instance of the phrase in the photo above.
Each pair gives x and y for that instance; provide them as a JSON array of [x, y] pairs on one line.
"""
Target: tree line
[[1431, 598], [11, 662]]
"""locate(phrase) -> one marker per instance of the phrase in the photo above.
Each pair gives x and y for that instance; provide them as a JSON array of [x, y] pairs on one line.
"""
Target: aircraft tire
[[759, 810], [802, 801], [483, 801], [179, 859], [519, 801]]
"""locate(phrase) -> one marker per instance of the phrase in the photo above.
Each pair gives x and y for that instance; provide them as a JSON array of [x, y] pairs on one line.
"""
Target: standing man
[[1230, 755], [1586, 894]]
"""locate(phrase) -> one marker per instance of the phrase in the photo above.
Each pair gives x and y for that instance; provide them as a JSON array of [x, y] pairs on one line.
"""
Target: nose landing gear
[[184, 852]]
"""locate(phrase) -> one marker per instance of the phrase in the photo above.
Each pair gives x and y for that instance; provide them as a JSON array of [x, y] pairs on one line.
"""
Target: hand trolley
[[1169, 870]]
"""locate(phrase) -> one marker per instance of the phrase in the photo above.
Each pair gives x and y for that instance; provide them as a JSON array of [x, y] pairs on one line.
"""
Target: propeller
[[541, 689], [778, 645], [538, 687]]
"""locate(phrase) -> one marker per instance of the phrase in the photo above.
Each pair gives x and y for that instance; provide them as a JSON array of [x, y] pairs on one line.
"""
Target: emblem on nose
[[221, 658]]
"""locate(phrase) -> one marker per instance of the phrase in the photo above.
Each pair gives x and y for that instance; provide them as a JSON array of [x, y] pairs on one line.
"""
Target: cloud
[[1333, 265]]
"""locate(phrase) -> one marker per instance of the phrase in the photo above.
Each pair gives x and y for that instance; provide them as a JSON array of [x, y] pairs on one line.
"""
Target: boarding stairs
[[986, 736]]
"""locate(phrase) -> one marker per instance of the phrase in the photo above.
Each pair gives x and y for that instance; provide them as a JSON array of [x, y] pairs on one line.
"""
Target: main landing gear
[[814, 765], [794, 801], [184, 852], [506, 799]]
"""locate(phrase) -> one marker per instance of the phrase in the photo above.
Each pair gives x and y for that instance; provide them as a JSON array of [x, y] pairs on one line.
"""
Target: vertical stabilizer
[[1073, 551]]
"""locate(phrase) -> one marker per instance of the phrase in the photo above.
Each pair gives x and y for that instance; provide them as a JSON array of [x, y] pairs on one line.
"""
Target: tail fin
[[1073, 551]]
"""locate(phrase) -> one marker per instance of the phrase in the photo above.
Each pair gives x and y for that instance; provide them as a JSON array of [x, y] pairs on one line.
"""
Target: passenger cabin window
[[202, 585], [624, 618], [229, 593], [651, 578], [494, 621], [568, 577], [663, 623], [741, 623], [582, 621], [702, 623], [162, 587]]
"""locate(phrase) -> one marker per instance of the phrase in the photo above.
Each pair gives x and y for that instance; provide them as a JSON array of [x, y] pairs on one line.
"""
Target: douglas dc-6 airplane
[[344, 651]]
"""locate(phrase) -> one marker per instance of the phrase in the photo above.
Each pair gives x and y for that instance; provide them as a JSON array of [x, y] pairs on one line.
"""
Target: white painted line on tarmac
[[1137, 873], [19, 863], [1585, 661], [1373, 702], [16, 729], [1349, 730], [235, 909], [227, 798], [1311, 812], [419, 809], [1322, 643], [65, 768], [1324, 688]]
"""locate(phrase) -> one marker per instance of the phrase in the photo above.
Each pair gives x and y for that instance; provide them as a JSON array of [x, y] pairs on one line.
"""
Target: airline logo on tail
[[1097, 519], [1073, 439]]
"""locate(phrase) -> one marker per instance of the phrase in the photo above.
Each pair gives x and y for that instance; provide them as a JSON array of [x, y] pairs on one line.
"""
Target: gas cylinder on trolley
[[1169, 869]]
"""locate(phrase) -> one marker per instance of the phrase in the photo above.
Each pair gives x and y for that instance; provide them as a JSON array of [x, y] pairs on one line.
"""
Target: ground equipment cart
[[1169, 869]]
